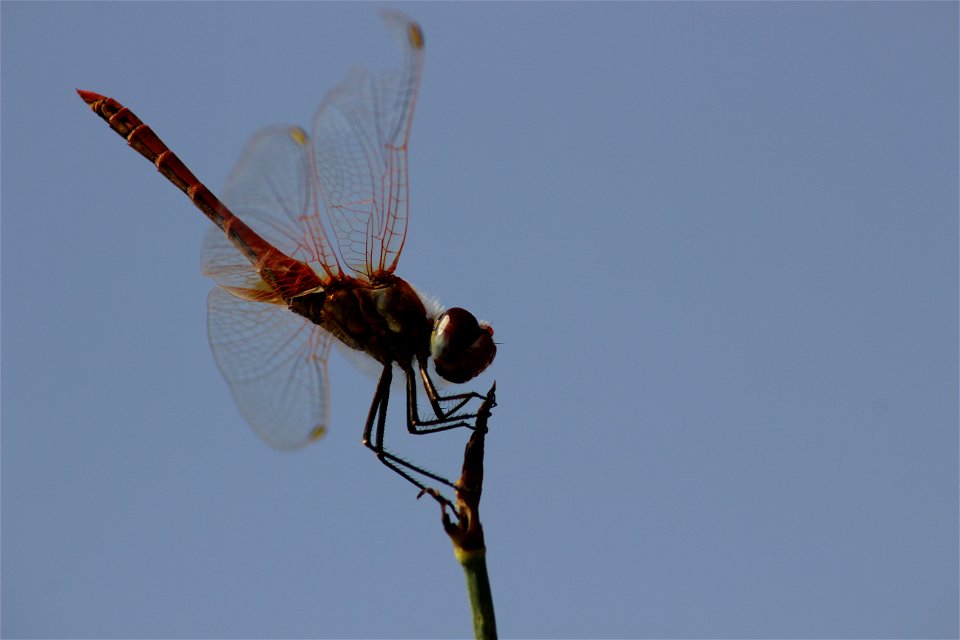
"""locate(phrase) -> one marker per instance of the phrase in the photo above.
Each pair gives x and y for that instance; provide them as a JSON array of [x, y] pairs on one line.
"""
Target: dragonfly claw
[[441, 499]]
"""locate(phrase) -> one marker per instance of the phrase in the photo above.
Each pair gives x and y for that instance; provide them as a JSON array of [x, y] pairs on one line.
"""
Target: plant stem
[[478, 590]]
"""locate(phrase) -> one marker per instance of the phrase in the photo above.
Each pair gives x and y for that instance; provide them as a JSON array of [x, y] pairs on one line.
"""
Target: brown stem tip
[[467, 533]]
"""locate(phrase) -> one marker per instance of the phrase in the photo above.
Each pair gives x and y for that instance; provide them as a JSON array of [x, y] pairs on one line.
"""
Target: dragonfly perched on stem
[[286, 291]]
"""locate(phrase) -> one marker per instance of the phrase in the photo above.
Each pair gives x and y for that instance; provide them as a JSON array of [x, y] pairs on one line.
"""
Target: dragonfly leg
[[378, 415], [446, 418]]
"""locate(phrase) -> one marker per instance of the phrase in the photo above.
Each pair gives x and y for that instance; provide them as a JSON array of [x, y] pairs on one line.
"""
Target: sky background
[[718, 244]]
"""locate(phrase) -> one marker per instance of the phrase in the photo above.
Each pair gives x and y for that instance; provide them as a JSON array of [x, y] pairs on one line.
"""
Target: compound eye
[[461, 347]]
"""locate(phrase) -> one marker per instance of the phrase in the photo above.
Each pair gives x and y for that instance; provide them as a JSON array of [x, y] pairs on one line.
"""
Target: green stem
[[474, 565]]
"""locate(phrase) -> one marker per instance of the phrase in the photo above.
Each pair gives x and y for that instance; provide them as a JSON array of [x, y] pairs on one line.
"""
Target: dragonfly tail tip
[[89, 96]]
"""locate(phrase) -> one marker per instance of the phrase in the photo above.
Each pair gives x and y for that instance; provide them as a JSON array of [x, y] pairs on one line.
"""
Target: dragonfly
[[305, 244]]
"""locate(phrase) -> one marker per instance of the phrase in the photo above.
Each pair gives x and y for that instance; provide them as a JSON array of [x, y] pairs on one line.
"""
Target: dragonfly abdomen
[[287, 276]]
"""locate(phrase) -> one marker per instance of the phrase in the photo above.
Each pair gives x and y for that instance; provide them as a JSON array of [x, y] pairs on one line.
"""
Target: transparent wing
[[360, 136], [275, 363], [272, 190], [221, 261]]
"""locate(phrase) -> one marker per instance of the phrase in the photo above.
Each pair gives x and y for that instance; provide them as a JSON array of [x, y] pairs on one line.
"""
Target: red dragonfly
[[286, 291]]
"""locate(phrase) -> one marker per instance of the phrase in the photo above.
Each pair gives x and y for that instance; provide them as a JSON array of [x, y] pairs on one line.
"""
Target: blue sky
[[718, 244]]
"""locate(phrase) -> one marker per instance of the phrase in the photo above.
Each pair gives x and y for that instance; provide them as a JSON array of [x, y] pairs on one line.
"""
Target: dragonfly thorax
[[385, 319]]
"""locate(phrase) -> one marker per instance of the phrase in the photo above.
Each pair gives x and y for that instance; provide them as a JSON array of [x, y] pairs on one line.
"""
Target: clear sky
[[718, 244]]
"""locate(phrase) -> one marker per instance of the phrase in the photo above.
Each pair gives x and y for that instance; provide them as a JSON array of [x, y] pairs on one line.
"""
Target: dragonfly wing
[[275, 363], [232, 271], [360, 136], [272, 190]]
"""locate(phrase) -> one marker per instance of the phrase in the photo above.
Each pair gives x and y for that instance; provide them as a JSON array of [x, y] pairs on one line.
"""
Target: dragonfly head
[[461, 347]]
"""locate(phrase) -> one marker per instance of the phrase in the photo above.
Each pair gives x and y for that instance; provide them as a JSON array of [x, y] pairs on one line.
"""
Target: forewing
[[360, 136], [272, 190], [275, 363]]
